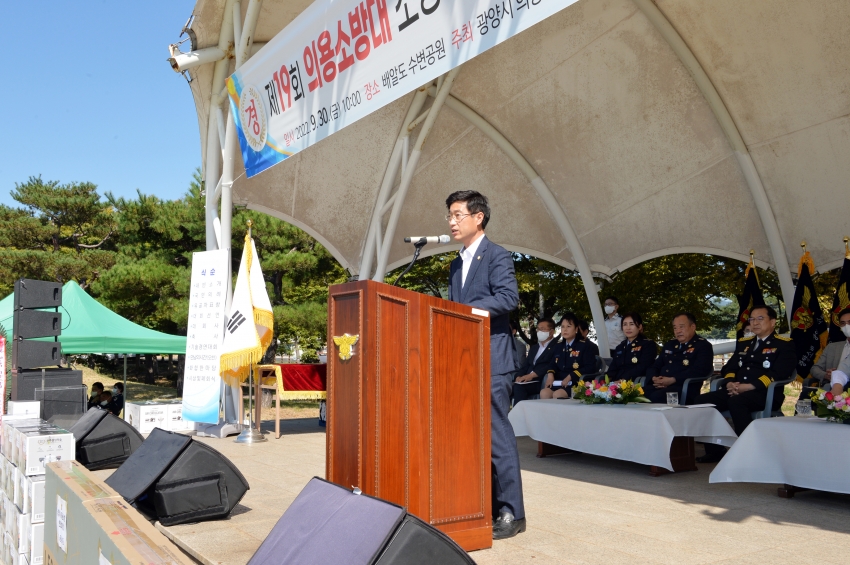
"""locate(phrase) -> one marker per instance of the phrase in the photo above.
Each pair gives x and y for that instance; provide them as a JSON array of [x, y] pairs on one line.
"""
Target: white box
[[39, 447], [24, 408], [33, 497], [18, 526], [146, 416], [176, 423], [10, 475], [35, 543], [8, 423]]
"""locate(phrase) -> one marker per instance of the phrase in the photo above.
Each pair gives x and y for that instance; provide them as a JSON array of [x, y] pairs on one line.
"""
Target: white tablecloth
[[634, 432], [803, 452]]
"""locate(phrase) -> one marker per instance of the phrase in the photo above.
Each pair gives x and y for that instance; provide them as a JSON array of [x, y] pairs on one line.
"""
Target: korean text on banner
[[341, 60], [201, 382]]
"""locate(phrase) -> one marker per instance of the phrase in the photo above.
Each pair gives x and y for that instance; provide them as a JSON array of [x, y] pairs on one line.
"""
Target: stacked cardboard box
[[89, 523], [27, 444], [145, 416]]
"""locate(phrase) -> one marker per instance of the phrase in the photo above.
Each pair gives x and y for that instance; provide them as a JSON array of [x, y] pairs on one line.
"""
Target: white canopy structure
[[613, 132]]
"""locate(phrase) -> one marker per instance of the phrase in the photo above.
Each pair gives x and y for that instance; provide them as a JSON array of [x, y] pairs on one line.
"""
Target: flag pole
[[252, 433]]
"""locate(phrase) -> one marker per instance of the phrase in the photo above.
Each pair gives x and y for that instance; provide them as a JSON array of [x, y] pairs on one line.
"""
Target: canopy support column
[[554, 208], [373, 245], [212, 160], [742, 153], [410, 169]]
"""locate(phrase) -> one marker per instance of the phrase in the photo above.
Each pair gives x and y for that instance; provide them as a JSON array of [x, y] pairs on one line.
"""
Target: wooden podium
[[409, 411]]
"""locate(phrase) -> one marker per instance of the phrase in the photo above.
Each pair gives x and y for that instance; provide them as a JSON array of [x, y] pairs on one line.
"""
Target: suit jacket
[[775, 360], [490, 285], [829, 359], [541, 367], [682, 361], [573, 361], [632, 360]]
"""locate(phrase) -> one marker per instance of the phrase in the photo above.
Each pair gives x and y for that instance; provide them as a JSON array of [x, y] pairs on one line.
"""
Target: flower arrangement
[[620, 392], [833, 407]]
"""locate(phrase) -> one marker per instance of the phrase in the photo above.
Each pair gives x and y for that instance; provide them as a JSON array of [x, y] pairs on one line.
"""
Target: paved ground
[[581, 509]]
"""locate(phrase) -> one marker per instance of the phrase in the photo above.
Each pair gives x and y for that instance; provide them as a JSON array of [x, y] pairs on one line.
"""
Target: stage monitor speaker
[[29, 354], [31, 293], [62, 402], [329, 524], [24, 382], [176, 480], [104, 441], [37, 323]]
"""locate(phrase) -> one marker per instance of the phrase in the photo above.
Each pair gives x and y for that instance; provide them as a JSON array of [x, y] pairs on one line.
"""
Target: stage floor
[[580, 508]]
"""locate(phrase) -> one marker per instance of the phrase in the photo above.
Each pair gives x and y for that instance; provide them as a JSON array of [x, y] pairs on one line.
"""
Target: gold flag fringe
[[266, 319], [807, 260]]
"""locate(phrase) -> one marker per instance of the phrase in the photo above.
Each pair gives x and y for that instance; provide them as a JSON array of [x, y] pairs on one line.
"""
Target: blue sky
[[88, 96]]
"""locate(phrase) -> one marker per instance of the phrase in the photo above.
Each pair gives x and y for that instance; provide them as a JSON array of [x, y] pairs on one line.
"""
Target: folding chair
[[768, 411], [695, 381]]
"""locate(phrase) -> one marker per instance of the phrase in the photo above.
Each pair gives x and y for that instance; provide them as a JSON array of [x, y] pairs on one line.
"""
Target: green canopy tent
[[90, 327]]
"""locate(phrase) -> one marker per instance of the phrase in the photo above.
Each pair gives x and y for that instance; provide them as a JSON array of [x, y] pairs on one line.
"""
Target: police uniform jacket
[[774, 360], [570, 362], [682, 361], [632, 360]]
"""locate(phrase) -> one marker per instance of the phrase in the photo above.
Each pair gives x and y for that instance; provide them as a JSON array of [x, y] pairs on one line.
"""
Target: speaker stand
[[251, 434]]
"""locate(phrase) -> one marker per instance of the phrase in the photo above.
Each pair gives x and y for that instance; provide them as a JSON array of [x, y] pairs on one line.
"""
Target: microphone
[[428, 239]]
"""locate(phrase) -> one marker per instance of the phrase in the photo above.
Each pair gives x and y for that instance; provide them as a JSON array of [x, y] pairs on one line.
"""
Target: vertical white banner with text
[[201, 380]]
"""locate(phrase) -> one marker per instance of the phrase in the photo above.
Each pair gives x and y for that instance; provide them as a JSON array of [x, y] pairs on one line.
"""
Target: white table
[[799, 453], [634, 432]]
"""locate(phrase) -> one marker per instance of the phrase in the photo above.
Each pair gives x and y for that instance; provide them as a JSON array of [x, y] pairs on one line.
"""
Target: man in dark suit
[[757, 362], [530, 378], [483, 277]]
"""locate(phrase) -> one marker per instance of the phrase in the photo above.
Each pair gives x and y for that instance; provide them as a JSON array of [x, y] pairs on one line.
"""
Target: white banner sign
[[201, 381], [341, 60]]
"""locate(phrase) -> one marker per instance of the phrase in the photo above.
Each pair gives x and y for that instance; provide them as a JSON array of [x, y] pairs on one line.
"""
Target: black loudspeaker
[[31, 354], [176, 480], [37, 294], [37, 323], [104, 441], [25, 382], [329, 524], [29, 323]]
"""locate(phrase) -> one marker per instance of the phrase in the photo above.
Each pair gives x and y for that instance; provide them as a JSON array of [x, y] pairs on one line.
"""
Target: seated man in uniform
[[537, 363], [687, 356], [572, 359], [757, 362], [635, 354]]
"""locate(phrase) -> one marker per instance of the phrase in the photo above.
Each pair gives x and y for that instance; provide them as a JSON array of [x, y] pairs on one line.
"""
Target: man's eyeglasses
[[758, 319], [457, 217], [842, 324]]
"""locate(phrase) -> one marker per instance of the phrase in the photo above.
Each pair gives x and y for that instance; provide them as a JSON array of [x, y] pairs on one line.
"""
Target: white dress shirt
[[842, 374], [540, 350], [613, 326], [467, 254]]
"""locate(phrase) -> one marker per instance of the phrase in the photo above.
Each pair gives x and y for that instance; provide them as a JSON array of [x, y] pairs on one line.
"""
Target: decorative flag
[[809, 329], [249, 328], [750, 298], [841, 300]]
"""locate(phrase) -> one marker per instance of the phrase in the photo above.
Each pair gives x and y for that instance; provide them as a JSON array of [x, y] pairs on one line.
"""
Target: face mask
[[543, 336], [104, 403], [748, 333], [610, 309], [114, 391], [846, 330]]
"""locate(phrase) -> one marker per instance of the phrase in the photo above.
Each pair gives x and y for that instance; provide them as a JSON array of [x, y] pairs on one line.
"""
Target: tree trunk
[[150, 370]]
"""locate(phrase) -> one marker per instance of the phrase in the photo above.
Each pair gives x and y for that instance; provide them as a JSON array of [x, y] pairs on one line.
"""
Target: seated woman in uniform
[[635, 354], [572, 358]]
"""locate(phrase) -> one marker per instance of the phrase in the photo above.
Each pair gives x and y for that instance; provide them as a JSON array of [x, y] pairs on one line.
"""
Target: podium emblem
[[345, 343]]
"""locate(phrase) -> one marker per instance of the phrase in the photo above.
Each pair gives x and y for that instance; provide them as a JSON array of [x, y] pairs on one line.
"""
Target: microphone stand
[[418, 245]]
